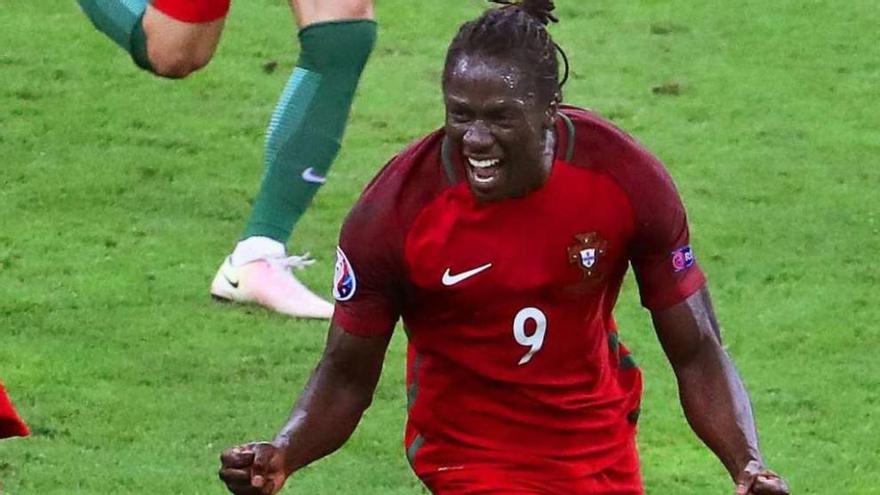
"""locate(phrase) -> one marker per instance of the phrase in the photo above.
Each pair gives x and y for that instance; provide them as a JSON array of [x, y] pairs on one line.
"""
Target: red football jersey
[[514, 361]]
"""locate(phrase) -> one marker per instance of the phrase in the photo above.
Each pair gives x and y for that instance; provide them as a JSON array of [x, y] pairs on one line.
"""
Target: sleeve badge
[[344, 281], [682, 258]]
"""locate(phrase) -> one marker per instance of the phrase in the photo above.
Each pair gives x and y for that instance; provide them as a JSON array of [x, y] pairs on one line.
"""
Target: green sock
[[120, 20], [309, 120]]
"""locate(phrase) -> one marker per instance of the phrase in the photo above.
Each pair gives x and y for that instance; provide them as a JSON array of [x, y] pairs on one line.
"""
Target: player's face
[[500, 126]]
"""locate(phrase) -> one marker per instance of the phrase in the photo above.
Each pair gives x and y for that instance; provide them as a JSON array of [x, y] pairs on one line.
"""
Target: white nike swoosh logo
[[309, 175], [450, 279]]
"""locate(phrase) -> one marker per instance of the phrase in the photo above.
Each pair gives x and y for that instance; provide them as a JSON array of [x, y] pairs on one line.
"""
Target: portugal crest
[[587, 253]]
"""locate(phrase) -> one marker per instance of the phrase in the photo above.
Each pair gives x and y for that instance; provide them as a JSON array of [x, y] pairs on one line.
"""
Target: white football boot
[[267, 280]]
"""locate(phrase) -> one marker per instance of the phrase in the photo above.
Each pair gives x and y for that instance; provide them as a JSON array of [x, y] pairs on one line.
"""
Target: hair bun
[[539, 9]]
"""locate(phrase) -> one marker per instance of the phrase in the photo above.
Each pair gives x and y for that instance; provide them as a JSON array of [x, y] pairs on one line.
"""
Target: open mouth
[[484, 171]]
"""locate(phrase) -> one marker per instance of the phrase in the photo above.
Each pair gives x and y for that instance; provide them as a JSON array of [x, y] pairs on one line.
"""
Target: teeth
[[483, 163]]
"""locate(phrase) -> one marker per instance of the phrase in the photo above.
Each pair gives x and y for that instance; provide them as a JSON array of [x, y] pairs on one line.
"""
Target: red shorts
[[193, 11], [621, 478]]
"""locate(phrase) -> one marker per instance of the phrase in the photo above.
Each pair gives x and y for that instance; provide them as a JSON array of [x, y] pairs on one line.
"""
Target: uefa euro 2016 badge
[[682, 258], [587, 252], [344, 281]]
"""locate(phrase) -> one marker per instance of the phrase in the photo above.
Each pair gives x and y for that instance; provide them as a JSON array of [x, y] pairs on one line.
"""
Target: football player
[[501, 241]]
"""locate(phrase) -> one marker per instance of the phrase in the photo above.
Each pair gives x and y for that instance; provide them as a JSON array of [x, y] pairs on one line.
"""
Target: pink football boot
[[269, 282]]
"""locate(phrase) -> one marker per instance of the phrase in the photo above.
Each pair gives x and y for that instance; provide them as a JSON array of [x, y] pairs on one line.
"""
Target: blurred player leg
[[336, 38], [171, 38]]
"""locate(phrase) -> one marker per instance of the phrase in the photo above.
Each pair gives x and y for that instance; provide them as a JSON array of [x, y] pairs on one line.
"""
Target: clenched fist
[[757, 480], [253, 469]]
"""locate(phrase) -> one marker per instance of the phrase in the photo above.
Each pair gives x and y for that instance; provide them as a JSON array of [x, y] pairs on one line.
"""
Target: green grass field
[[121, 193]]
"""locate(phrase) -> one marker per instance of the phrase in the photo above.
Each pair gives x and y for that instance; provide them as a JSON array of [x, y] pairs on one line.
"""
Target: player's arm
[[338, 392], [326, 413], [712, 394]]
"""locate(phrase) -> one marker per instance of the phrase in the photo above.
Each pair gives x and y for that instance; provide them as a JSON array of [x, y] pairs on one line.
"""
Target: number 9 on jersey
[[536, 339]]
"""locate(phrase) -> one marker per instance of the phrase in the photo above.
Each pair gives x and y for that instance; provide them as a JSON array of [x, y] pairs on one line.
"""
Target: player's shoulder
[[398, 191], [602, 146], [598, 142], [417, 157]]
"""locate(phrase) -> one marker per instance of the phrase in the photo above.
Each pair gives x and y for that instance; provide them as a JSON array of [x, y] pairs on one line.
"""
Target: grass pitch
[[121, 193]]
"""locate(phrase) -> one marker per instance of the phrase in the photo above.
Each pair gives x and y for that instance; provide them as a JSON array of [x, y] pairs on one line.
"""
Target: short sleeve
[[662, 258], [366, 281]]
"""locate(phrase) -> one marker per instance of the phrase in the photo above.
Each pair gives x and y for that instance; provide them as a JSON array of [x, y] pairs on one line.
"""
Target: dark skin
[[712, 394], [493, 112]]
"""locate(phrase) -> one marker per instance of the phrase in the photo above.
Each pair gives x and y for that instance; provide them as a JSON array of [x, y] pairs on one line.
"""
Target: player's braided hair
[[516, 31]]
